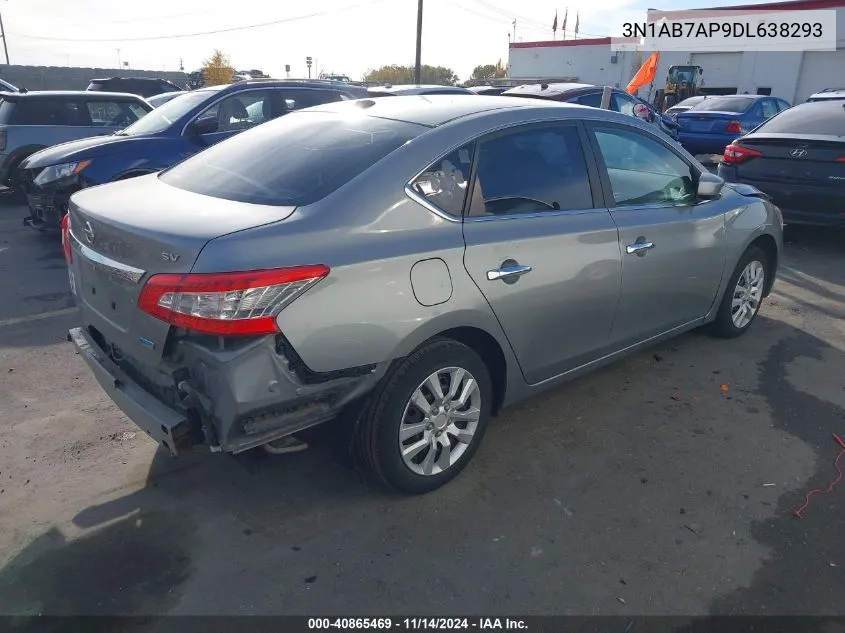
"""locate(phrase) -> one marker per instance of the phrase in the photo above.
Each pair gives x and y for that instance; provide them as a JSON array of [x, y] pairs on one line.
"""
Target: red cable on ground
[[832, 484]]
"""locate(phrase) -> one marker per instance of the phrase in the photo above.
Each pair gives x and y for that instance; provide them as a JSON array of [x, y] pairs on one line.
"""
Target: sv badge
[[170, 257]]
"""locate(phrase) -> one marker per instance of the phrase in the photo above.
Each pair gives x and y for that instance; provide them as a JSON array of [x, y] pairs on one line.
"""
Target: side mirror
[[203, 126], [710, 185]]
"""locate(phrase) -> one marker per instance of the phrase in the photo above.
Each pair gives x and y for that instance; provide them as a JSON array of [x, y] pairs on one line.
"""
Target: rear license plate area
[[105, 293]]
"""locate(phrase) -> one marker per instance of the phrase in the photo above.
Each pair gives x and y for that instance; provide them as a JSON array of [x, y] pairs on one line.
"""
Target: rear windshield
[[292, 161], [725, 104], [822, 118]]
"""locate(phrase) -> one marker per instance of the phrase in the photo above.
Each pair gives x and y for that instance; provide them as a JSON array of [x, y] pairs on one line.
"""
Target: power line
[[214, 32]]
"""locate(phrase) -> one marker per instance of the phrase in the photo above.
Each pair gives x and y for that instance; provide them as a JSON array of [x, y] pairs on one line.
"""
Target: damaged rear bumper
[[229, 400], [165, 425]]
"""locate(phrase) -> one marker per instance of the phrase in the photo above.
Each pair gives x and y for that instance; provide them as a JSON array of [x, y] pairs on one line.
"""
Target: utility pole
[[3, 35], [119, 63], [418, 64]]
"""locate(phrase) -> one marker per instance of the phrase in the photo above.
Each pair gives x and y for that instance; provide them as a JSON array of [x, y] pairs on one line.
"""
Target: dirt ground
[[664, 484]]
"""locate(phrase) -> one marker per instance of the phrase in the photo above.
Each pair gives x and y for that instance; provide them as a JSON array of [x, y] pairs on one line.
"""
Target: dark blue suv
[[164, 137]]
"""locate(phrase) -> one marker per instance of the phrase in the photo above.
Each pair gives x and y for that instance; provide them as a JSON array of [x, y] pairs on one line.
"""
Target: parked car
[[164, 137], [415, 263], [391, 90], [798, 158], [141, 86], [488, 90], [828, 94], [710, 126], [31, 121], [683, 106], [157, 100], [591, 95]]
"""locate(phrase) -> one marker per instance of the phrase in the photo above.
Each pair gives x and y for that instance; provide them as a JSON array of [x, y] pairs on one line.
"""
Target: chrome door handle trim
[[507, 272], [639, 247]]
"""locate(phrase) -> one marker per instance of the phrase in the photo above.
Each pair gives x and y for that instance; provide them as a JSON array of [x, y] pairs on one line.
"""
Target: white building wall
[[793, 76]]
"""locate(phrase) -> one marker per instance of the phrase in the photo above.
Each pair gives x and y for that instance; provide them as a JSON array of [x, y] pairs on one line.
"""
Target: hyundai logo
[[798, 152], [89, 232]]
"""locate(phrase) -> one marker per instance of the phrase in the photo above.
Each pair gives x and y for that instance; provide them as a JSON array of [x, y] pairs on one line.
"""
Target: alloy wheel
[[747, 294]]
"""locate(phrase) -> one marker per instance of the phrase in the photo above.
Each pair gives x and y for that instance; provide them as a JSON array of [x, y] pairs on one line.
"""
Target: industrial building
[[791, 75]]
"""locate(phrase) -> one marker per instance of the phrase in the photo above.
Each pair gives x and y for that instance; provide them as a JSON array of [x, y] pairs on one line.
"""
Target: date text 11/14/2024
[[416, 624]]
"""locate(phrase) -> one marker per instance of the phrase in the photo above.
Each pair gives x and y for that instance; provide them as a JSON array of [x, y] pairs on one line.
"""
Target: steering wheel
[[507, 205]]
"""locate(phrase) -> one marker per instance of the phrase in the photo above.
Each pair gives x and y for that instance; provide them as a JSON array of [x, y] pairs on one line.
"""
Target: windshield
[[827, 119], [163, 117], [292, 161], [725, 104]]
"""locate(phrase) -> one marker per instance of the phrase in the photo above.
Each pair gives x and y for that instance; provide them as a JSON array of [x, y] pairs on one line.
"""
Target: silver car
[[416, 263]]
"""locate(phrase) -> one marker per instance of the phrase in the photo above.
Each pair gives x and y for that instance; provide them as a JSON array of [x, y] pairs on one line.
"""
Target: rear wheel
[[743, 296], [426, 422]]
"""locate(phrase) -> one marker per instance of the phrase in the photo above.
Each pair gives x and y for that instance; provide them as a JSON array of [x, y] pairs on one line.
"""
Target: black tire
[[377, 433], [724, 326]]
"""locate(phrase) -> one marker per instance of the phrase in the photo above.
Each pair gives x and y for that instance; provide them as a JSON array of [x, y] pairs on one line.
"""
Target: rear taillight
[[736, 154], [236, 304], [841, 159], [734, 127], [66, 247]]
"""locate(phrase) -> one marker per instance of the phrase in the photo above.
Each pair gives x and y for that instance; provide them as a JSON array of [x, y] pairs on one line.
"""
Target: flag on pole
[[577, 20], [645, 75], [554, 24]]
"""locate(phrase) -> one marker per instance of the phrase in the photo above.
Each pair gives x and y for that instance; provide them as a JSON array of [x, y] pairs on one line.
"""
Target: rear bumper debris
[[167, 426]]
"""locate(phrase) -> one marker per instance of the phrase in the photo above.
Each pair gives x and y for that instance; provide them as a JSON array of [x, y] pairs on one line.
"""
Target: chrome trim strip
[[124, 271], [425, 202]]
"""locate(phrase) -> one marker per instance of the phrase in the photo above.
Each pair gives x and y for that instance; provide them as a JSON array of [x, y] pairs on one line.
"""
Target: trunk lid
[[802, 169], [125, 232], [706, 122]]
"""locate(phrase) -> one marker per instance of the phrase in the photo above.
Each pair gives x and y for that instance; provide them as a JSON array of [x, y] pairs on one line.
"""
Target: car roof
[[88, 95], [548, 90], [416, 88], [433, 110]]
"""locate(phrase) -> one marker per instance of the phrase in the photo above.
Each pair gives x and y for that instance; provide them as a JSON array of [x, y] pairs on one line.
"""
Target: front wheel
[[427, 420], [743, 296]]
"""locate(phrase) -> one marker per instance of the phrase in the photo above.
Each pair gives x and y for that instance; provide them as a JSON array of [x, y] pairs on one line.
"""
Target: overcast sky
[[343, 36]]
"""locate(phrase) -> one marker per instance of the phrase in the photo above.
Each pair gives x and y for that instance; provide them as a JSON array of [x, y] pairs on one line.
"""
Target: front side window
[[623, 104], [444, 183], [240, 111], [643, 171], [529, 171]]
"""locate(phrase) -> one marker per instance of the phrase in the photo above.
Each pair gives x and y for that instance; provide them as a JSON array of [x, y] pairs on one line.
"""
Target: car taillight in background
[[736, 154], [234, 304], [841, 159], [734, 127], [66, 247]]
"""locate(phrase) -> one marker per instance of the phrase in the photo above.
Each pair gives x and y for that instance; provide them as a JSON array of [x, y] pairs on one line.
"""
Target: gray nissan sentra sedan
[[417, 263]]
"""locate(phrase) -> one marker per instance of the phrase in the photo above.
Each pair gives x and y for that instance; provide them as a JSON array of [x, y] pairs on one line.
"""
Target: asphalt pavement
[[664, 484]]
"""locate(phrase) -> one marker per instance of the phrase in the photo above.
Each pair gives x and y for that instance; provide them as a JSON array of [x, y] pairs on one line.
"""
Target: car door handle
[[639, 248], [508, 272]]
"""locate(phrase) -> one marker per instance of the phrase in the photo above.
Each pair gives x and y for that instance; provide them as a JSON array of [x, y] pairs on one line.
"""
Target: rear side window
[[292, 161], [50, 112], [821, 118], [592, 99]]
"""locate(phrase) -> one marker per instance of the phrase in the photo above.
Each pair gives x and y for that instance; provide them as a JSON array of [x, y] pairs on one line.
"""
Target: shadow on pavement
[[274, 517]]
